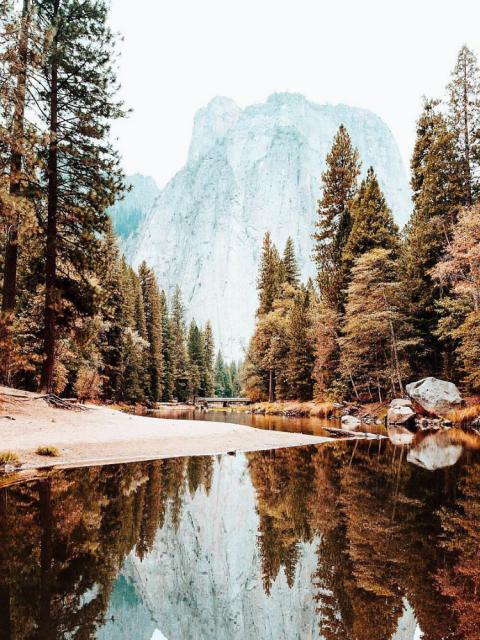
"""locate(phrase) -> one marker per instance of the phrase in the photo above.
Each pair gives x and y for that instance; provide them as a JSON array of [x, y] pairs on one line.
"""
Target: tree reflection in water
[[386, 532], [389, 532]]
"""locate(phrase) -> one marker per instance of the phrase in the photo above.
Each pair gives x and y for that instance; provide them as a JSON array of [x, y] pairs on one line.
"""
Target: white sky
[[378, 54]]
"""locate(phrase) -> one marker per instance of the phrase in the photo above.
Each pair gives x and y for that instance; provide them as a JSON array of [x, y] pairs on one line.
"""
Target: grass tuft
[[464, 416], [49, 452], [294, 409], [8, 457]]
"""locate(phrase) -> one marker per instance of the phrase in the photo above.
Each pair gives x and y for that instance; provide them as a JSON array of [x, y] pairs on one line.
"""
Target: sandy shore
[[105, 436]]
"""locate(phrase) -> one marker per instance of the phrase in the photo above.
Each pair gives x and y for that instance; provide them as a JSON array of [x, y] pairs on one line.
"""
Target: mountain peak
[[286, 98], [210, 124]]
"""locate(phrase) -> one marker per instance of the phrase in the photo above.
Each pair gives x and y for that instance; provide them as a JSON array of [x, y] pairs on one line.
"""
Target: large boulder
[[400, 402], [435, 396], [401, 414]]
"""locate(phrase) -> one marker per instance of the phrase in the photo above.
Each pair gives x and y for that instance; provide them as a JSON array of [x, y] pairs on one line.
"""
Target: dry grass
[[464, 416], [47, 451], [294, 409], [8, 457]]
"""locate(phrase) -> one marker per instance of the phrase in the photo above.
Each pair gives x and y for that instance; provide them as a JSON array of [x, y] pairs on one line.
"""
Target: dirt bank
[[101, 435]]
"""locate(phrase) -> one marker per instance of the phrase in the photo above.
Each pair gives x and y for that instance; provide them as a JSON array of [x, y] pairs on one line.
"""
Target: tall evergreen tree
[[464, 94], [269, 277], [300, 348], [373, 225], [438, 192], [290, 270], [196, 362], [113, 309], [179, 350], [339, 183], [376, 332], [209, 360], [153, 319], [223, 381], [75, 90], [167, 344], [16, 141], [460, 311]]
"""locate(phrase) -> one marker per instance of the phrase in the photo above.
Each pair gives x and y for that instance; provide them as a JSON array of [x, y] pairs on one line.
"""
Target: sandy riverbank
[[105, 436]]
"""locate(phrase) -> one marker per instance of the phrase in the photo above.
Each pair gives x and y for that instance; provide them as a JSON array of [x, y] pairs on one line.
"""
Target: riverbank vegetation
[[387, 306]]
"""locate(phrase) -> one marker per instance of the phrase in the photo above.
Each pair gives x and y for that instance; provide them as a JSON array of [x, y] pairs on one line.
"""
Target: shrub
[[8, 457], [47, 451], [88, 384]]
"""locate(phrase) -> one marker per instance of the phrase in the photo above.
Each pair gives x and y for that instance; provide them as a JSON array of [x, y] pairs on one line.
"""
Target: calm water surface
[[311, 426], [350, 540]]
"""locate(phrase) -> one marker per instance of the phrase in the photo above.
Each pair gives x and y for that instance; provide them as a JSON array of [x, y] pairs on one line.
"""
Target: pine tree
[[376, 331], [290, 270], [325, 333], [269, 277], [196, 362], [300, 359], [438, 192], [18, 143], [223, 378], [179, 351], [114, 319], [153, 319], [167, 343], [339, 183], [460, 312], [373, 225], [74, 89], [209, 360], [235, 375], [464, 93]]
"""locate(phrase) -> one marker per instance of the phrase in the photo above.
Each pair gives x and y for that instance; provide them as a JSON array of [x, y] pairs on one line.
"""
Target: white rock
[[351, 423], [401, 402], [435, 396], [400, 415], [250, 171]]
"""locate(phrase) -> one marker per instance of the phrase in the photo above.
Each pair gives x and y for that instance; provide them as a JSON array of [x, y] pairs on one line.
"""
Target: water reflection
[[344, 541]]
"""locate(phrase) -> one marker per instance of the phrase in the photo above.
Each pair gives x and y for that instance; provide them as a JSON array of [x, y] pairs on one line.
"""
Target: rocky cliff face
[[135, 207], [249, 171]]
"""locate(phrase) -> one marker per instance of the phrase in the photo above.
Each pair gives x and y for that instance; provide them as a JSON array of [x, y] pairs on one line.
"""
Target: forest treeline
[[387, 306], [75, 318]]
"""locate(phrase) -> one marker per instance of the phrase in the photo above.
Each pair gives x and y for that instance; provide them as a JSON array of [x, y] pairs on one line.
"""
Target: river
[[351, 540]]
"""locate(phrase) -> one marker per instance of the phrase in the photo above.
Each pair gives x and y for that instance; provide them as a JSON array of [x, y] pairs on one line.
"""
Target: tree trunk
[[51, 297], [16, 161], [353, 385], [271, 387], [394, 347]]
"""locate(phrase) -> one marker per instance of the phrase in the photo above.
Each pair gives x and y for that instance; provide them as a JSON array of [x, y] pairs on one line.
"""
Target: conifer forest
[[239, 320], [387, 305]]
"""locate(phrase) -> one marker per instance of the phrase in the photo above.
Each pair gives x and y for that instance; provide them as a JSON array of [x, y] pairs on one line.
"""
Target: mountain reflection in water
[[342, 541]]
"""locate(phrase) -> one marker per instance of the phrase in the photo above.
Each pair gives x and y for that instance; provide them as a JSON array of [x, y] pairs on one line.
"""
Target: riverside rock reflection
[[313, 542]]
